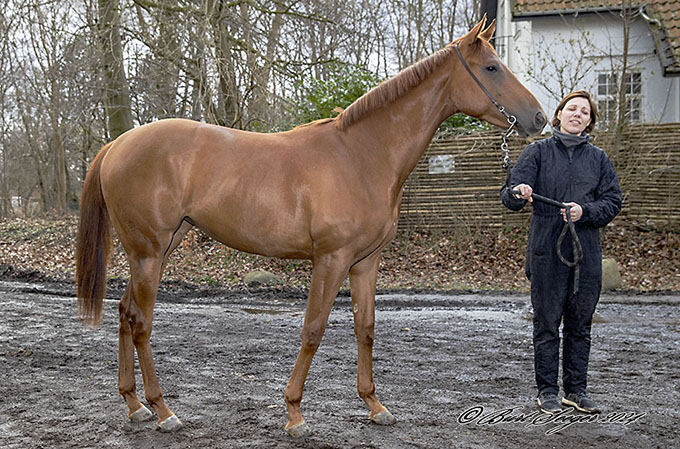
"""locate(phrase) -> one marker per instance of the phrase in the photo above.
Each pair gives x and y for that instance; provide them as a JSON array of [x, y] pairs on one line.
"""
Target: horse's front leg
[[362, 281], [327, 275]]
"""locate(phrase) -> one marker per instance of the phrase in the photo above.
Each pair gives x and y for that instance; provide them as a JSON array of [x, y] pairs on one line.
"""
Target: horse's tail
[[93, 245]]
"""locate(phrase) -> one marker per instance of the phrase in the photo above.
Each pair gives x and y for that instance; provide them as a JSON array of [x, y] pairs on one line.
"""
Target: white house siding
[[536, 48]]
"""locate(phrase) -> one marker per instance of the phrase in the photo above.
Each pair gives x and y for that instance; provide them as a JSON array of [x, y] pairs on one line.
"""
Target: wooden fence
[[457, 182]]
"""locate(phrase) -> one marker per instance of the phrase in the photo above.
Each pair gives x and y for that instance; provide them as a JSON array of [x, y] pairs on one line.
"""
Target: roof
[[662, 16]]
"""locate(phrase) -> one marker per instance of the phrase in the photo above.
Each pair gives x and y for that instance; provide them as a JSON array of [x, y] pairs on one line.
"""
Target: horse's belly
[[255, 232]]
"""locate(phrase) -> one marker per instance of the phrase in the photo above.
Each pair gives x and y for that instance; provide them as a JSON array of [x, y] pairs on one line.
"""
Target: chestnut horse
[[328, 191]]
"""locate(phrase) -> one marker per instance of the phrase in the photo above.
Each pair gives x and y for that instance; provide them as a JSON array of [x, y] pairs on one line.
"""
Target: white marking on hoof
[[141, 414], [299, 430], [384, 418], [169, 424]]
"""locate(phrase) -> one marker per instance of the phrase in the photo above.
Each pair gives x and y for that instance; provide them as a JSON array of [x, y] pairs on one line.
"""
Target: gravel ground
[[455, 370]]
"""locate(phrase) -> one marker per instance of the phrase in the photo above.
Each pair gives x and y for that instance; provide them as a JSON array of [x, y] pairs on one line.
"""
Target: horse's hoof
[[170, 424], [384, 418], [300, 430], [141, 414]]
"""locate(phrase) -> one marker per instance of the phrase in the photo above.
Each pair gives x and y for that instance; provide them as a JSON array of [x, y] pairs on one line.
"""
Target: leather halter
[[512, 120]]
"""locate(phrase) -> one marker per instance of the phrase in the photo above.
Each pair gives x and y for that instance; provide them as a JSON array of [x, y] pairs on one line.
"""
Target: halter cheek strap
[[481, 86], [512, 120]]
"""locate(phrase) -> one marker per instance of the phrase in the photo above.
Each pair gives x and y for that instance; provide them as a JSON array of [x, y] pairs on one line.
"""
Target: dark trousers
[[553, 303]]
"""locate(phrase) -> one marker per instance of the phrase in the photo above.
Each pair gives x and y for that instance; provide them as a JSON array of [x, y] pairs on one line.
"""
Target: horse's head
[[501, 84]]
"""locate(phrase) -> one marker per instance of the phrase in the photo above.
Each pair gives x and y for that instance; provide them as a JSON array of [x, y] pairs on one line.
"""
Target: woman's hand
[[575, 211], [525, 192]]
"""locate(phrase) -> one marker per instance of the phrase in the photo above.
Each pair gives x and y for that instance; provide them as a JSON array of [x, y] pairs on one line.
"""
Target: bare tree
[[77, 73], [621, 118], [5, 195], [117, 88], [560, 73]]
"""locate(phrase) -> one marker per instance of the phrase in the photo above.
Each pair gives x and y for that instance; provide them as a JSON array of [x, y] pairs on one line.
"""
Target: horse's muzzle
[[530, 127], [539, 120]]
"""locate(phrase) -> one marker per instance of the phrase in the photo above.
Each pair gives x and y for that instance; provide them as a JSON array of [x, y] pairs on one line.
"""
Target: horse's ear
[[474, 33], [488, 33]]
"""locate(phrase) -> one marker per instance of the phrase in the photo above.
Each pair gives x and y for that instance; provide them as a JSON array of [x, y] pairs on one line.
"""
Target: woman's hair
[[583, 94]]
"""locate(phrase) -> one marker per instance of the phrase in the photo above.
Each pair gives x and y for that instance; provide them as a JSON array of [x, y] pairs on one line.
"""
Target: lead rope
[[512, 120], [569, 225]]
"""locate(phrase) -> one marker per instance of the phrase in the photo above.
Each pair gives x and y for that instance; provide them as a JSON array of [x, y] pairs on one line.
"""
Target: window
[[608, 98]]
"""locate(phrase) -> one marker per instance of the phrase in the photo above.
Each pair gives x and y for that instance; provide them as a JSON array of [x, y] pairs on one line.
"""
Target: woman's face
[[575, 116]]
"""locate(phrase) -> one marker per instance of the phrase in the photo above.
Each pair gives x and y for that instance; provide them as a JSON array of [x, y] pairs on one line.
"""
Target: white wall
[[554, 55]]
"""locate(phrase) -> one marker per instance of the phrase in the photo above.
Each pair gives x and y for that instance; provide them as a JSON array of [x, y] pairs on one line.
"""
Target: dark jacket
[[587, 178]]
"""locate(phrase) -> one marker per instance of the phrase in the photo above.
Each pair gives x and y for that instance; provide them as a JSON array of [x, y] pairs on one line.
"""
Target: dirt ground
[[455, 370]]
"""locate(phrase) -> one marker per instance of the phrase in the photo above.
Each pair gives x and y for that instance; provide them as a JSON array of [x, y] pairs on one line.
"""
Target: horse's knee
[[365, 334], [141, 331], [311, 337]]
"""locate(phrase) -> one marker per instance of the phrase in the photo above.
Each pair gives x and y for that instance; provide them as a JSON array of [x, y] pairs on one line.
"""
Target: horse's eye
[[491, 68]]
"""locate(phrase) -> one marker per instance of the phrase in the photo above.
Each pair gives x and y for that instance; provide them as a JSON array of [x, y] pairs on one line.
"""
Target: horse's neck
[[401, 131]]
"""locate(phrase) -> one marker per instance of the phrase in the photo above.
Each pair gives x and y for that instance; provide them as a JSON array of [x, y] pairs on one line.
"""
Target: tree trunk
[[227, 98], [621, 119], [167, 39], [57, 144], [258, 109], [116, 85], [6, 206]]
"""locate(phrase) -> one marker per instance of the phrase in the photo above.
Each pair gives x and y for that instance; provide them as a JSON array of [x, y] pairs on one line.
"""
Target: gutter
[[669, 67], [562, 12]]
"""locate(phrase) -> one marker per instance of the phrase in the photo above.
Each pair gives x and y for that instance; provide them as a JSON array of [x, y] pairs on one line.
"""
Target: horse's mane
[[388, 91], [321, 121]]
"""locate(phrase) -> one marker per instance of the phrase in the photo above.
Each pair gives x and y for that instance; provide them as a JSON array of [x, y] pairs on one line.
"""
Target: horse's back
[[261, 193]]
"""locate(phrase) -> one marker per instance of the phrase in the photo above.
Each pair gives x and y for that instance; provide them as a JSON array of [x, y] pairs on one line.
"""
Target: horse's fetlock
[[292, 399], [154, 400], [366, 390]]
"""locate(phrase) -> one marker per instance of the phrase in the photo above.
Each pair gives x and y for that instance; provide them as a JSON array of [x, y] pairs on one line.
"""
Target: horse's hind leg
[[126, 362], [144, 278], [136, 315], [362, 280]]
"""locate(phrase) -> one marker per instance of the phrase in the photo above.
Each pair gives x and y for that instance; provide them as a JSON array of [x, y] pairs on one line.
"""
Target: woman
[[568, 168]]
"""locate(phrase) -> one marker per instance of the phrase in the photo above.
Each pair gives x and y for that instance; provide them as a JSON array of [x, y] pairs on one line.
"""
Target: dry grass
[[487, 260]]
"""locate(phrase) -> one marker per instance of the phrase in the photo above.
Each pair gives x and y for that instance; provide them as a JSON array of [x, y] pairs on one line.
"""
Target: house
[[556, 46]]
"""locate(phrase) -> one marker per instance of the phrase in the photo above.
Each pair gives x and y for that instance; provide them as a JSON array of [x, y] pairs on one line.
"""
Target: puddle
[[263, 311], [445, 314], [21, 286]]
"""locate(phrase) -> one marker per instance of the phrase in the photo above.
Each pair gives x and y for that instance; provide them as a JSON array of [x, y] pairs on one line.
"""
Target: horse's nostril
[[540, 118]]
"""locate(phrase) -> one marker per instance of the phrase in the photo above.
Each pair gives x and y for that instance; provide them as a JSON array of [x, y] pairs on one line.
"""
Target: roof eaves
[[665, 40], [667, 46], [560, 12]]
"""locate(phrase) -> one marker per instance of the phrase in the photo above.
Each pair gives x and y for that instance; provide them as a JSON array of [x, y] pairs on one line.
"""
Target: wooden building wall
[[647, 161]]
